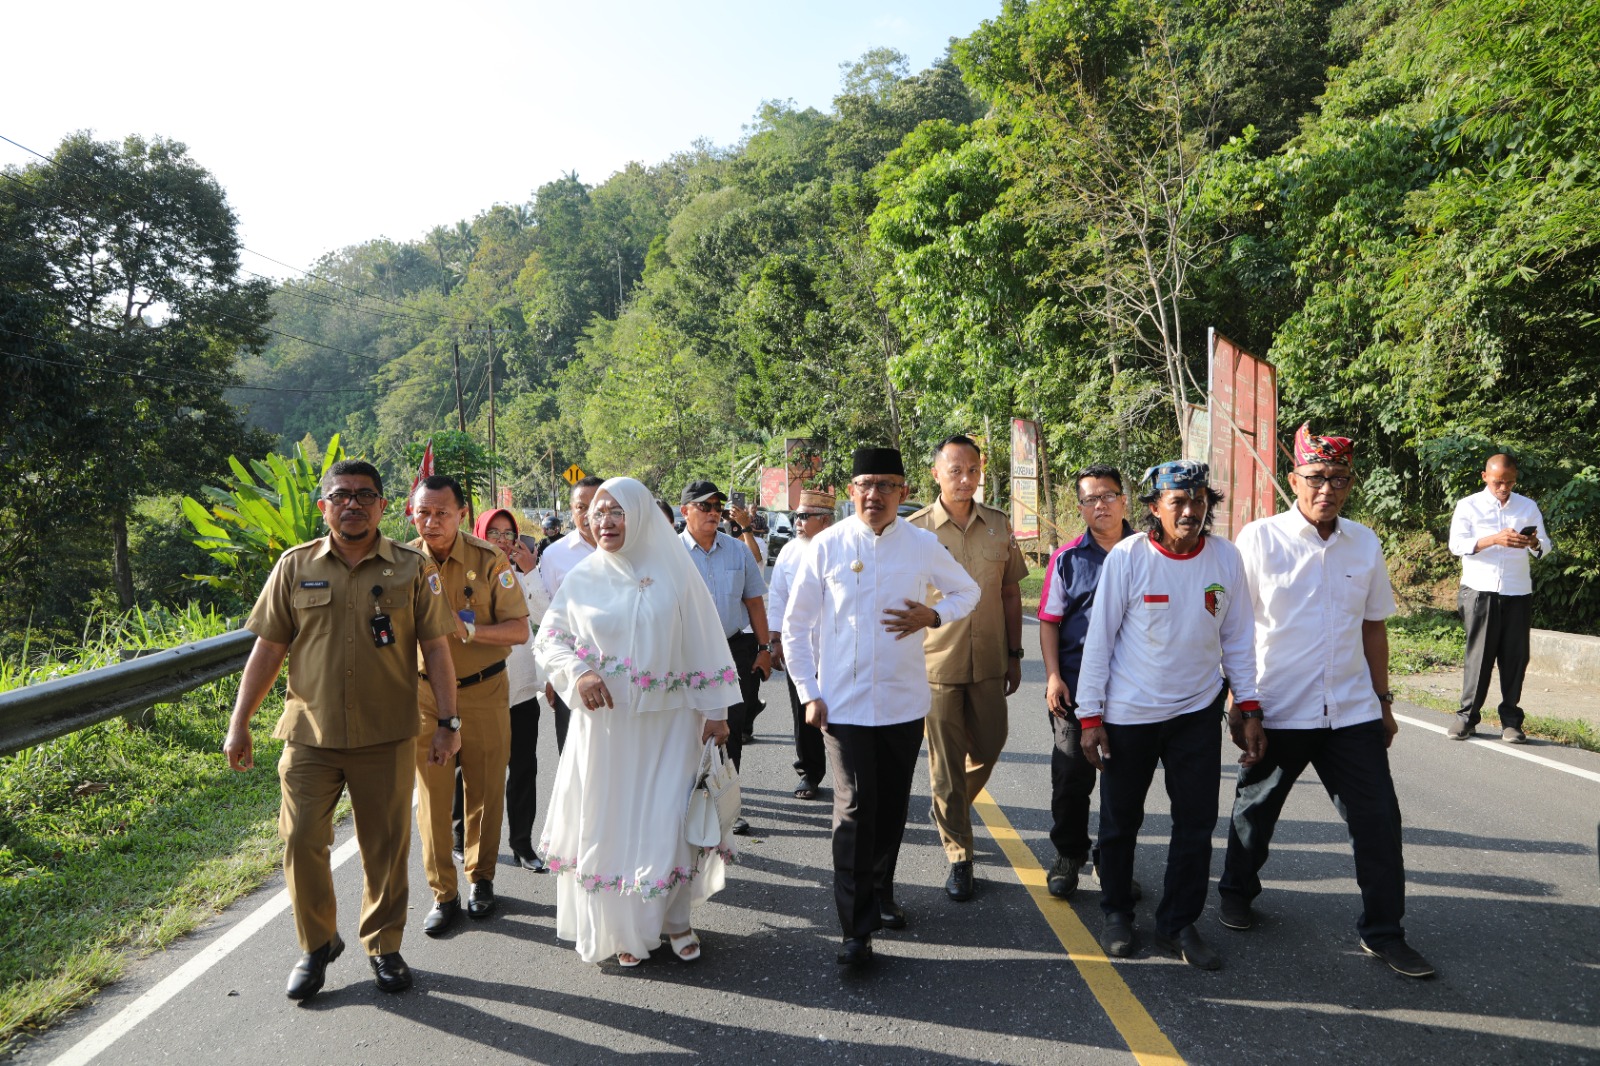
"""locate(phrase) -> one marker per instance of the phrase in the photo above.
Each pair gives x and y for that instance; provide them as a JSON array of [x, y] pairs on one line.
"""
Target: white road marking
[[184, 976], [1500, 748]]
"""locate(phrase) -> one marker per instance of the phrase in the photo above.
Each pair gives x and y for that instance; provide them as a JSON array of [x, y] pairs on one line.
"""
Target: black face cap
[[700, 491]]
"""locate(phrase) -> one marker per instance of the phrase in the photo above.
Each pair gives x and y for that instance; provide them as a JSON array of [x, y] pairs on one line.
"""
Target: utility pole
[[494, 457], [461, 410]]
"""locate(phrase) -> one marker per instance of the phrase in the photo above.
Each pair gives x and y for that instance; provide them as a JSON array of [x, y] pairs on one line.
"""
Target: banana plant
[[266, 507]]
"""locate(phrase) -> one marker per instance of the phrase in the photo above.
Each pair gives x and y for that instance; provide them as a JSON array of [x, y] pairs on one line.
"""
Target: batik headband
[[1311, 448], [1186, 475]]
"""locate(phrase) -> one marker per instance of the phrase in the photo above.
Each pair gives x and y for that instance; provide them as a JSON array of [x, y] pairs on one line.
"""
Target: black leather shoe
[[390, 971], [529, 860], [1062, 881], [480, 900], [1401, 957], [442, 917], [305, 980], [1236, 913], [857, 952], [458, 849], [891, 914], [741, 827], [1118, 939], [1191, 947], [959, 885]]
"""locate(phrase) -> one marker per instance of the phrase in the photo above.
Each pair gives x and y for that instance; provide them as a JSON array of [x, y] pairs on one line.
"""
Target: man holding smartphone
[[1495, 532]]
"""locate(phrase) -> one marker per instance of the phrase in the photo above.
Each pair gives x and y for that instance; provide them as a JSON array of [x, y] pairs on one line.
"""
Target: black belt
[[472, 679]]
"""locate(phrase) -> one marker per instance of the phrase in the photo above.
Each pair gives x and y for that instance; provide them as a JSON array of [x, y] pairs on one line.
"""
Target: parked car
[[780, 531]]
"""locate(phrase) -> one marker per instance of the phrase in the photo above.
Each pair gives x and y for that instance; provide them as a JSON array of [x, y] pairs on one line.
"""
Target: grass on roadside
[[116, 840], [1426, 639]]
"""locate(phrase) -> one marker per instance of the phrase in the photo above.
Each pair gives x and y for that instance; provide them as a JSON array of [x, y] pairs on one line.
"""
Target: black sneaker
[[1063, 879], [1118, 939], [1402, 958]]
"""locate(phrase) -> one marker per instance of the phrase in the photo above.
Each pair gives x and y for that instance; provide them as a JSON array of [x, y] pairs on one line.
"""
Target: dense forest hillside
[[1398, 204]]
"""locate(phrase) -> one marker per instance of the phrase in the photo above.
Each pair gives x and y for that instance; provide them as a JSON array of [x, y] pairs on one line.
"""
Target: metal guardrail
[[36, 713]]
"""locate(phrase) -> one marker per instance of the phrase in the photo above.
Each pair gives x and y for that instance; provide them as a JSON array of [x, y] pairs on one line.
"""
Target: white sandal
[[680, 941], [623, 957]]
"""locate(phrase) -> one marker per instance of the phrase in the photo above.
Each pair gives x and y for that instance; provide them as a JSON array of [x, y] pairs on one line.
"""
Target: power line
[[262, 255], [147, 376]]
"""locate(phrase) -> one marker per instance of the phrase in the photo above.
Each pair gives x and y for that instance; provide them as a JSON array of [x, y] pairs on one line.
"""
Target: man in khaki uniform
[[973, 663], [491, 616], [353, 605]]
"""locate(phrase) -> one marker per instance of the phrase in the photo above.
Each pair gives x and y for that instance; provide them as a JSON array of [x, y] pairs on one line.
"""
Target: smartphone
[[1527, 531], [736, 499]]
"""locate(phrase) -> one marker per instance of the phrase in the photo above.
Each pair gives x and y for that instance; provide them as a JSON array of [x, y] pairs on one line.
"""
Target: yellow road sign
[[574, 474]]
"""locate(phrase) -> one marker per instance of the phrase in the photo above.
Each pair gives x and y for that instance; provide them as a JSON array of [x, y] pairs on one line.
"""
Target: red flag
[[425, 470]]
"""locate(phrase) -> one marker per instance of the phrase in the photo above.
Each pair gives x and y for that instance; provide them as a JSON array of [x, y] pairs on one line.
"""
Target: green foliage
[[262, 510]]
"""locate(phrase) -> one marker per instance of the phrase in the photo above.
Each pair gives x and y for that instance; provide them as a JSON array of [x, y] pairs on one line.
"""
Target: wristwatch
[[1016, 653], [764, 647], [1252, 715], [452, 723], [937, 621], [1386, 697]]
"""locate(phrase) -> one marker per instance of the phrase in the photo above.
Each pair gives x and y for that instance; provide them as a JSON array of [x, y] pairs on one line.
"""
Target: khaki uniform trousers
[[379, 779], [967, 729], [485, 712]]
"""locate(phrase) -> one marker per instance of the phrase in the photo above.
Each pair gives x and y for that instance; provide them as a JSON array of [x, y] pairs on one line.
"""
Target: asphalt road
[[1503, 888]]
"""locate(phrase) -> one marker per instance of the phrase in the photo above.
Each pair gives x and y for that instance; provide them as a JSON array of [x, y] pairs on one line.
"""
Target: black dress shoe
[[458, 850], [390, 972], [1191, 947], [857, 952], [959, 885], [305, 980], [891, 914], [442, 917], [1402, 958], [741, 827], [1236, 912], [530, 860], [480, 900], [1117, 938]]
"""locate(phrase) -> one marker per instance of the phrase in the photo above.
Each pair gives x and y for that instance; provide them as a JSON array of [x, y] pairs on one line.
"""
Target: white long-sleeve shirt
[[1495, 569], [1310, 597], [837, 647], [558, 560], [784, 568], [1164, 631], [522, 669]]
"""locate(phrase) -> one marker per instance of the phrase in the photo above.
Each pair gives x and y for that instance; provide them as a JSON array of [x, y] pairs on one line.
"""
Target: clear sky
[[333, 123]]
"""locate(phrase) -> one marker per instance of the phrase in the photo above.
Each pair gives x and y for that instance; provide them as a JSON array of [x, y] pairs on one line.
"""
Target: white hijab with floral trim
[[640, 617]]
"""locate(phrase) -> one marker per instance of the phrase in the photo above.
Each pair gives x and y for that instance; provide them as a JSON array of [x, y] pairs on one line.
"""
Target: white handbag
[[714, 801]]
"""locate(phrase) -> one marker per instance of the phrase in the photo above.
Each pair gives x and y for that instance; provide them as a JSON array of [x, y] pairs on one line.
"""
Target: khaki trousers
[[485, 711], [379, 780], [967, 728]]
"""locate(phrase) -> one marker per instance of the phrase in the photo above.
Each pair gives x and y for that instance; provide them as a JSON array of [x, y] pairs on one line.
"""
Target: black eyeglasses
[[340, 498], [801, 516], [1107, 498], [708, 506], [1316, 481]]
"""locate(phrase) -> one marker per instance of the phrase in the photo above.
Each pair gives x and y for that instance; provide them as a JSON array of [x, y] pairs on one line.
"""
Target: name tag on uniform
[[1156, 603], [313, 584]]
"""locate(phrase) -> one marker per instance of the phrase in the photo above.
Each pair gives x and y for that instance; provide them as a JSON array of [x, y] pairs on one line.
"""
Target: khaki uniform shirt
[[973, 648], [477, 577], [345, 691]]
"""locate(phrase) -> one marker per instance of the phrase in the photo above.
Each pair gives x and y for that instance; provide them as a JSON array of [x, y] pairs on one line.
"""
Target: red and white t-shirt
[[1165, 631]]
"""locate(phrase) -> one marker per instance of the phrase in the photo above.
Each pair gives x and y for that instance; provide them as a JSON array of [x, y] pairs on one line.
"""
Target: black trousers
[[1353, 765], [1189, 749], [563, 715], [743, 648], [810, 755], [522, 776], [1497, 635], [872, 771], [1072, 780]]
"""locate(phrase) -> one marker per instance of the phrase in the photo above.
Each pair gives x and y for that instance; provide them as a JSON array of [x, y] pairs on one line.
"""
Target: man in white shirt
[[814, 515], [555, 562], [1320, 593], [853, 633], [1495, 532], [1170, 633]]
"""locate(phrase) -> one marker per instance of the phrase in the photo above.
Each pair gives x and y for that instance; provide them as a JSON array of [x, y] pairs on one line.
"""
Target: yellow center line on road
[[1148, 1043]]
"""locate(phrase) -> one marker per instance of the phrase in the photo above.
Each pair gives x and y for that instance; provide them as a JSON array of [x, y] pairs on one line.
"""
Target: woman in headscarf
[[499, 527], [633, 642]]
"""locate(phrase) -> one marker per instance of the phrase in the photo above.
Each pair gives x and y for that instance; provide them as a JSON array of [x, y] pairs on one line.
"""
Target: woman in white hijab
[[633, 643]]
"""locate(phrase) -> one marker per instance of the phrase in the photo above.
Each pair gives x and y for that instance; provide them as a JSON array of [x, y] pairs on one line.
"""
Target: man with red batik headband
[[1320, 593], [1170, 633]]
